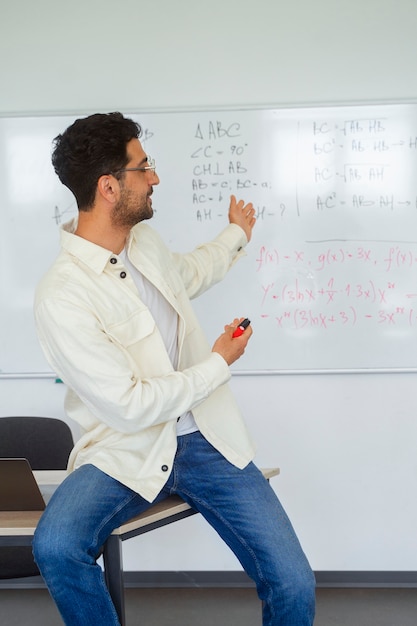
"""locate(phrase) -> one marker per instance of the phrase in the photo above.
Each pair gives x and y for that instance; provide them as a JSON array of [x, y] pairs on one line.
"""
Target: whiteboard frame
[[51, 376]]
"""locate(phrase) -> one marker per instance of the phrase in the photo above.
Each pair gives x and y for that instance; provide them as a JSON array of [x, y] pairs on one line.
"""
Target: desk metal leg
[[113, 572]]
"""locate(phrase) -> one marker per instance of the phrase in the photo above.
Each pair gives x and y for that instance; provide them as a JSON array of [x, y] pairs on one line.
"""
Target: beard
[[131, 209]]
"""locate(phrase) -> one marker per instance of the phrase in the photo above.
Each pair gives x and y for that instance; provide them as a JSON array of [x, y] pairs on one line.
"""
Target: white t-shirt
[[167, 321]]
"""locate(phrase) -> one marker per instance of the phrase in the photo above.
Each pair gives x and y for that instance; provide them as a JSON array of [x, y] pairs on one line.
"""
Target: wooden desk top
[[49, 477], [23, 523], [18, 523]]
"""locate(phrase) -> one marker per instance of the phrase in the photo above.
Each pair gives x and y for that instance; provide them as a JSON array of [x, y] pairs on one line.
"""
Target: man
[[115, 322]]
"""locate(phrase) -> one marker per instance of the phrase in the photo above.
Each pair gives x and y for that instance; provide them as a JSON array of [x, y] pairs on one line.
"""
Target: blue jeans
[[239, 504]]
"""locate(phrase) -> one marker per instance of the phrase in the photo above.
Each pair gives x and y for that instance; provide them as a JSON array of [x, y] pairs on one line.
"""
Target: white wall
[[345, 443]]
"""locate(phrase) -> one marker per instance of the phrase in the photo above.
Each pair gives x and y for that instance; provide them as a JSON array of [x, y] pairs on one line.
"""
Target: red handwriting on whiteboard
[[329, 293], [338, 287], [299, 319], [393, 257]]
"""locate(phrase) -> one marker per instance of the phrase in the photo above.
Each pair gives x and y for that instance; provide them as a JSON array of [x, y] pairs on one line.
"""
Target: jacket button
[[164, 468], [113, 260], [122, 274]]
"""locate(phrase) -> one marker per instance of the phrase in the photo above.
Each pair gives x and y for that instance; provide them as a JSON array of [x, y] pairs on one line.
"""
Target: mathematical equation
[[220, 167], [290, 293], [354, 164], [370, 155], [306, 318], [344, 286], [221, 164], [390, 257]]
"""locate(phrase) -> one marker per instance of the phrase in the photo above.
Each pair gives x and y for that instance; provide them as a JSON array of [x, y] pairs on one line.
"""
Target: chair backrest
[[46, 442]]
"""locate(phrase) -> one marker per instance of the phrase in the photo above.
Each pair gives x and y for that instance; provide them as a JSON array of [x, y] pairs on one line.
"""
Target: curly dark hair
[[89, 148]]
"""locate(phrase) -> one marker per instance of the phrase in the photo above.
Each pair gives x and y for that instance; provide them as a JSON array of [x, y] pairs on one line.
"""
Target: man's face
[[136, 188]]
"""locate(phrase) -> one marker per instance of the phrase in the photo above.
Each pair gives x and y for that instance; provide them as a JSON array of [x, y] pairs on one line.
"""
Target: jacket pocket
[[133, 329]]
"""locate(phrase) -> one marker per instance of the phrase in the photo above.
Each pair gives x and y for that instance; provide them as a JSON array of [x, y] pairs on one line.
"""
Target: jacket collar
[[98, 258], [94, 256]]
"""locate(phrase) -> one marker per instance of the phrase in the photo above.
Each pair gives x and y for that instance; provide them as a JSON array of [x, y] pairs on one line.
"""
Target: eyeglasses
[[151, 167]]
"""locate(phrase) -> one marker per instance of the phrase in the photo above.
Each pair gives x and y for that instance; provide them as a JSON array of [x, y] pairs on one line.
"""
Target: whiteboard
[[330, 278]]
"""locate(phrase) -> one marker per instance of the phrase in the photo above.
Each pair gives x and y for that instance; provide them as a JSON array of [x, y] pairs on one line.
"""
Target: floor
[[222, 607]]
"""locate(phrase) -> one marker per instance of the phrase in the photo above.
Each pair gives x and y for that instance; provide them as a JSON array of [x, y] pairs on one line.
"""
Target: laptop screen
[[19, 490]]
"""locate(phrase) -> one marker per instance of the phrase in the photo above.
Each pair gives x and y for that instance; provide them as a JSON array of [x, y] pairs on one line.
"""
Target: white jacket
[[102, 341]]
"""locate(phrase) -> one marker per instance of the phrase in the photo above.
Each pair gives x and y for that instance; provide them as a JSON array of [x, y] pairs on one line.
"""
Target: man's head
[[90, 148]]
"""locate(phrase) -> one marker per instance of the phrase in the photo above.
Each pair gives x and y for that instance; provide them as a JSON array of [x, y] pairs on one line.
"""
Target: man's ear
[[108, 188]]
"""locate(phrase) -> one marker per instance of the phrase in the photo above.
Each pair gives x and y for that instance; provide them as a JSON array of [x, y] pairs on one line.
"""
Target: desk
[[17, 529]]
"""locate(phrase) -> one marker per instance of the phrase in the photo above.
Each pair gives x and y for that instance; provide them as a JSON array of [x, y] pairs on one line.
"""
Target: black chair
[[46, 443]]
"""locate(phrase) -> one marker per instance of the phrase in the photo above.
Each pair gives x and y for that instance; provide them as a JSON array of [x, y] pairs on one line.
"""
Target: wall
[[345, 443]]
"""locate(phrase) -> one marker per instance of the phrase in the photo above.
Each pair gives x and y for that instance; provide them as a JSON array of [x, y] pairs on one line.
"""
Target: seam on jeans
[[182, 446], [107, 592], [113, 513], [241, 541]]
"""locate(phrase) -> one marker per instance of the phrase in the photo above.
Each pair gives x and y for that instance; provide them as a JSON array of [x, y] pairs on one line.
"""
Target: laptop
[[19, 490]]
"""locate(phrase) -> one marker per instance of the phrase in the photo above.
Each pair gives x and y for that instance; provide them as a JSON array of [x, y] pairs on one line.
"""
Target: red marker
[[241, 328]]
